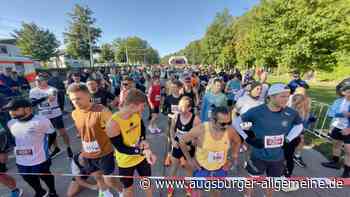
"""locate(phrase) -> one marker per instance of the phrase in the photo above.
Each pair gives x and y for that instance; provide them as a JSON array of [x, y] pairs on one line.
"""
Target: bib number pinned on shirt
[[24, 152], [274, 141], [216, 157], [91, 147]]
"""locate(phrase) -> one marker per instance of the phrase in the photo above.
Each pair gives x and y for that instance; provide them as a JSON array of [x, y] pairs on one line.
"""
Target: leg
[[34, 182], [346, 173], [65, 136], [74, 189], [127, 182], [144, 170]]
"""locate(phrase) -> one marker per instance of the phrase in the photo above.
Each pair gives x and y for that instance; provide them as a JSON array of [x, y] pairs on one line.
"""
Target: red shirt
[[154, 95]]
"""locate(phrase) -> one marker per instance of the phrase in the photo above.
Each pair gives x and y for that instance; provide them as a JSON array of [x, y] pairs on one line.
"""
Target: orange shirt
[[91, 126]]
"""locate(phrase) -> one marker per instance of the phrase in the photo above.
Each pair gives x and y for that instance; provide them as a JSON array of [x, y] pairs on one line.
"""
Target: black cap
[[17, 103]]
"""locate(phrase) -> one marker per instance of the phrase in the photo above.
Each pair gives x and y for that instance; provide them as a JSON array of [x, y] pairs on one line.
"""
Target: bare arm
[[235, 142], [194, 134]]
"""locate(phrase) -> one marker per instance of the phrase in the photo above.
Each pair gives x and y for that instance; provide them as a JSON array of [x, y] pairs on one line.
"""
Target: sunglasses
[[125, 84], [224, 124]]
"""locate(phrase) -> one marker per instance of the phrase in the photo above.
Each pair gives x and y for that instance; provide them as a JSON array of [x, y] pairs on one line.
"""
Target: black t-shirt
[[171, 104], [102, 97]]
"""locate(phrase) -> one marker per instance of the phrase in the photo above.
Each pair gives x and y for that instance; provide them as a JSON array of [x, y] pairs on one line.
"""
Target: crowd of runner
[[213, 118]]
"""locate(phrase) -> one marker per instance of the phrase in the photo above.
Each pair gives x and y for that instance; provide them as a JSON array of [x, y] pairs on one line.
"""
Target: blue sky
[[167, 25]]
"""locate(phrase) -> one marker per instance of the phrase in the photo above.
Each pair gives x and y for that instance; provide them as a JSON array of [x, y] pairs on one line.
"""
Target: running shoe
[[331, 164], [299, 161], [55, 153], [69, 152]]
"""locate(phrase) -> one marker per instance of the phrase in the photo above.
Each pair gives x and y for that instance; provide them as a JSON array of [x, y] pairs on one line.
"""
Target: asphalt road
[[61, 164]]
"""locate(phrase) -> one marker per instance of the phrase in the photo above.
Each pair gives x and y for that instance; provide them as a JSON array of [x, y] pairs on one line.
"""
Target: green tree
[[106, 54], [216, 37], [36, 42], [81, 32], [134, 50]]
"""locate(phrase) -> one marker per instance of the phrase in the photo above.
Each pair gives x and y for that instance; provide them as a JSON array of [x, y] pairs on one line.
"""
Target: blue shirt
[[210, 101], [233, 86], [267, 124]]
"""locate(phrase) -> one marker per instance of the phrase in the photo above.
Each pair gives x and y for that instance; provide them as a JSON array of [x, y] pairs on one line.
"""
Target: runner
[[128, 135], [5, 179], [78, 183], [90, 120], [297, 82], [127, 84], [340, 112], [213, 140], [184, 121], [99, 96], [190, 91], [244, 103], [154, 96], [51, 110], [30, 133], [171, 108], [231, 90], [268, 138], [213, 98]]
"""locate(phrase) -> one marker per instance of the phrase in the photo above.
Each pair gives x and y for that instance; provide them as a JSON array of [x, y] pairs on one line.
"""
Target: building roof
[[7, 41]]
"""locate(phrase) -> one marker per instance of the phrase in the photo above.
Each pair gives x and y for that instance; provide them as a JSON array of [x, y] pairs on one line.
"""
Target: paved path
[[158, 143]]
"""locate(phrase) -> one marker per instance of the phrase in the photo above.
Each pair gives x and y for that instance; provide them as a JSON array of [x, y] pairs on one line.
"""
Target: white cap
[[277, 89]]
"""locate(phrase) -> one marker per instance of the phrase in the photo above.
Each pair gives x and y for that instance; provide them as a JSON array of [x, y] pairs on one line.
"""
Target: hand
[[227, 165], [144, 145], [193, 163], [174, 143], [51, 98], [150, 157], [345, 131]]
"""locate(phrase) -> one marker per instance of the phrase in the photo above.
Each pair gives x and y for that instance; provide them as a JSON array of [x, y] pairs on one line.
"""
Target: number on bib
[[216, 157], [91, 147], [274, 141]]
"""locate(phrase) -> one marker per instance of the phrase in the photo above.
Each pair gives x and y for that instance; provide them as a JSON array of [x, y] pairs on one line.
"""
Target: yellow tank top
[[213, 153], [131, 132]]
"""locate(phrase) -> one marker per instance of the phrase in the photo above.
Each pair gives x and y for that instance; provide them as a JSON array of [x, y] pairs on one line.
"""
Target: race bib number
[[24, 151], [210, 112], [158, 98], [174, 109], [179, 134], [45, 112], [91, 147], [274, 141], [216, 157]]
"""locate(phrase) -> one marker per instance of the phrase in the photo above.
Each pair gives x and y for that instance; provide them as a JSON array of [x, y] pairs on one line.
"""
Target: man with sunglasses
[[297, 82], [212, 141], [267, 138], [126, 85]]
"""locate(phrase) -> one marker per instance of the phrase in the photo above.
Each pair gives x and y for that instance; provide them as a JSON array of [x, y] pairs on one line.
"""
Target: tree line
[[82, 34], [292, 34]]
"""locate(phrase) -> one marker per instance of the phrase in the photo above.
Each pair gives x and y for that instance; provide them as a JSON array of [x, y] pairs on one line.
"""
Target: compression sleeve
[[295, 132], [117, 141]]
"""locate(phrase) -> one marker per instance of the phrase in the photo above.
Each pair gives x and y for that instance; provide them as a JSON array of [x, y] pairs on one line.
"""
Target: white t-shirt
[[31, 140], [245, 103], [264, 89], [48, 109], [342, 123]]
